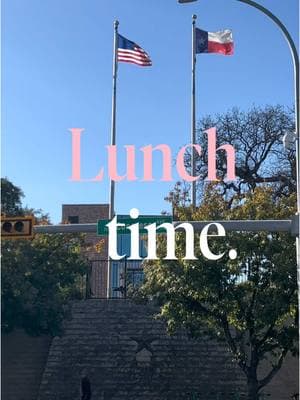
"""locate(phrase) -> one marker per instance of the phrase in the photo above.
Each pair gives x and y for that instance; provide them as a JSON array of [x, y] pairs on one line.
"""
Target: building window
[[73, 219]]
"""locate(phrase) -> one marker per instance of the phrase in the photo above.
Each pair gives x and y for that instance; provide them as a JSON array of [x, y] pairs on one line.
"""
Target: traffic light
[[17, 227]]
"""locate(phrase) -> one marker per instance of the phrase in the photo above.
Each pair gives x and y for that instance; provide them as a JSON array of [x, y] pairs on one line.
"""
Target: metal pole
[[113, 140], [113, 116], [285, 225], [125, 279], [193, 115], [297, 111], [295, 58]]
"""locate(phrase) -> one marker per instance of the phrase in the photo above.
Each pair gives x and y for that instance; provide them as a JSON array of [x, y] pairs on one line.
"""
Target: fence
[[124, 274]]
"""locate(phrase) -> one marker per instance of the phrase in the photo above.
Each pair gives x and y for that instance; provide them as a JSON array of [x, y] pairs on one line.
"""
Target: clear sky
[[57, 74]]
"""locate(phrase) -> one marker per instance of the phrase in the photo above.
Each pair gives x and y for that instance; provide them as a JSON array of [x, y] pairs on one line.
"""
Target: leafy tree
[[250, 302], [39, 276], [11, 198], [260, 158]]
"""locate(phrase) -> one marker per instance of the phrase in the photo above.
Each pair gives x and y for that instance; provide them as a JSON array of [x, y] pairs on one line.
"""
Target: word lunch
[[147, 152]]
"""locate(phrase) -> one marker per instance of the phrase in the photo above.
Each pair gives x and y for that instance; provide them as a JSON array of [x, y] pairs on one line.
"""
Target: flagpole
[[113, 139], [193, 115]]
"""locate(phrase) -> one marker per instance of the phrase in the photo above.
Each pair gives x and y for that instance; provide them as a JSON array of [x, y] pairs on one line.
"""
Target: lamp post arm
[[295, 57], [293, 50]]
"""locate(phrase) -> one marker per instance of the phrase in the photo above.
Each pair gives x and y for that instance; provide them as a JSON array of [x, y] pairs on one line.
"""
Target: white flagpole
[[193, 115], [113, 140]]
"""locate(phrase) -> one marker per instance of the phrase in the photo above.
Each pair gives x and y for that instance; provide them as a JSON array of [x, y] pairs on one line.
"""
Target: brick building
[[84, 214], [122, 272]]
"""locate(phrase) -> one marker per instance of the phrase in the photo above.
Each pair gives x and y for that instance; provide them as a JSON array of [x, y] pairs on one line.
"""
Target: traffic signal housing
[[17, 227]]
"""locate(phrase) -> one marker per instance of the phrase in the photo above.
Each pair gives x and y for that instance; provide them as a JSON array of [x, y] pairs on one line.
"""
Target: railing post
[[125, 278]]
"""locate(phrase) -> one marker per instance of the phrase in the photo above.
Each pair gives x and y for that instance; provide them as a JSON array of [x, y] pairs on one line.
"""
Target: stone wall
[[286, 381], [127, 355], [23, 359]]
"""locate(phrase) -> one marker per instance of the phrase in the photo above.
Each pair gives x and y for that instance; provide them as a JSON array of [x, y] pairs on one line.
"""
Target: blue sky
[[57, 74]]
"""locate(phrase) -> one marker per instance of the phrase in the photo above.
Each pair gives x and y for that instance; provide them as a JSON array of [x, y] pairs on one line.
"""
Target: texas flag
[[214, 42]]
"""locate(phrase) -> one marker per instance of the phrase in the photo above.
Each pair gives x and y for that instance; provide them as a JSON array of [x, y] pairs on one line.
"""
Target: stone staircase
[[23, 359], [127, 355]]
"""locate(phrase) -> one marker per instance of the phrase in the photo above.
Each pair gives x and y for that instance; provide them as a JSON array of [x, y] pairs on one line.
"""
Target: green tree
[[11, 198], [249, 302], [39, 276]]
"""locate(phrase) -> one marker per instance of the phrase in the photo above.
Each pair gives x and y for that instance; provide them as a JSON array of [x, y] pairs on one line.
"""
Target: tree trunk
[[252, 385]]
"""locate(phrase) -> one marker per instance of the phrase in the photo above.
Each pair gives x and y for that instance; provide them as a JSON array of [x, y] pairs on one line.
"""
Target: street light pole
[[295, 58], [193, 114]]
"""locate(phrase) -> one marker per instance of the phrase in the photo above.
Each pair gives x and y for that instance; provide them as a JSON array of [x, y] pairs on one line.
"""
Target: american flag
[[131, 52]]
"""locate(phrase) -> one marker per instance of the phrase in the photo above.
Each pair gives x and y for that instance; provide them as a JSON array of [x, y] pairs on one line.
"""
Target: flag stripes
[[130, 52], [214, 42]]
